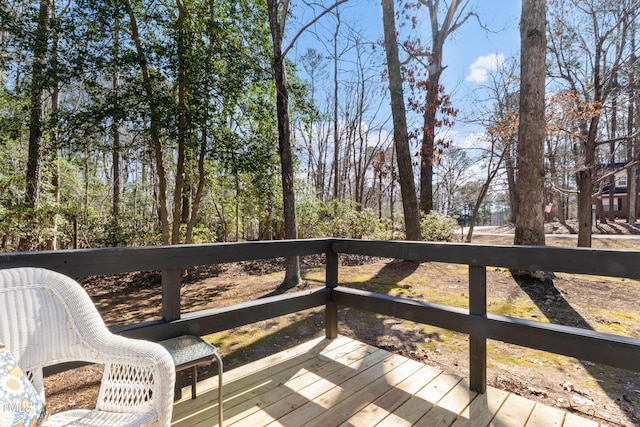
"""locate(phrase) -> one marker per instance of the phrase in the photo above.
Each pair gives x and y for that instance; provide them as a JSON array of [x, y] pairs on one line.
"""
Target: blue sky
[[469, 54], [462, 49]]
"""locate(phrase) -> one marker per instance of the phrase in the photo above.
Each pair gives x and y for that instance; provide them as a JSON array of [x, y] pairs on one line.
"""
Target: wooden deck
[[344, 382]]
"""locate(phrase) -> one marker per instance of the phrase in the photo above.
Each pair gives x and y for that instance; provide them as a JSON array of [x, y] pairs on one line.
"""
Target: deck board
[[344, 382], [380, 408], [545, 416], [514, 412], [483, 408]]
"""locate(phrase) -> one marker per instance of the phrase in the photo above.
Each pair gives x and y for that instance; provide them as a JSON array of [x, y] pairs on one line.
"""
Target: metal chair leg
[[194, 380], [220, 385]]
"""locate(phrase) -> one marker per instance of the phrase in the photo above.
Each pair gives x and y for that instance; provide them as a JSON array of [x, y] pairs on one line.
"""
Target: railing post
[[477, 344], [171, 294], [331, 309]]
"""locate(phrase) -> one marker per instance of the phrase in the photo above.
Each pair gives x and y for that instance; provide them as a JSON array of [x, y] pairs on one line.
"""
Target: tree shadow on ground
[[617, 228], [388, 277], [384, 332], [550, 301], [558, 229], [553, 304]]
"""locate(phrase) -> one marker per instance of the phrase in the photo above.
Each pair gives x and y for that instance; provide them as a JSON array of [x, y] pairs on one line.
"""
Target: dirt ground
[[608, 395]]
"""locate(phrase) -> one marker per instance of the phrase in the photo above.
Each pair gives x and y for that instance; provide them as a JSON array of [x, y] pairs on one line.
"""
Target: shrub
[[333, 219], [436, 227]]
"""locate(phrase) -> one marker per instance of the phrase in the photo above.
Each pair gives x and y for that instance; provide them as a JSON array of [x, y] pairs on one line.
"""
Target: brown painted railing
[[613, 350]]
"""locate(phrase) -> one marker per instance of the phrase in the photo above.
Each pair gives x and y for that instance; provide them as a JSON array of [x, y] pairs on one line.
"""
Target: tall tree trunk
[[199, 189], [115, 125], [183, 82], [400, 133], [195, 207], [364, 160], [147, 84], [34, 162], [451, 22], [633, 184], [511, 185], [585, 186], [553, 176], [532, 128], [612, 154], [428, 142], [632, 145], [52, 217], [115, 162], [392, 189], [277, 19], [336, 136]]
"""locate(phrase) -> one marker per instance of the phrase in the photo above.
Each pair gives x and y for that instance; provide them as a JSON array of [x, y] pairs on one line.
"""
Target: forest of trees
[[129, 122]]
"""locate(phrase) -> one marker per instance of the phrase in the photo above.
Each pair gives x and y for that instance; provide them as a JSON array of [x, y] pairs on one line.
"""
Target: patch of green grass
[[242, 337], [617, 322], [633, 317], [276, 332], [614, 328], [526, 358], [315, 274], [593, 278], [516, 308], [438, 338]]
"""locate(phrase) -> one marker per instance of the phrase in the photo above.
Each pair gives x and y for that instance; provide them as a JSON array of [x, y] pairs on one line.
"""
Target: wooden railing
[[613, 350]]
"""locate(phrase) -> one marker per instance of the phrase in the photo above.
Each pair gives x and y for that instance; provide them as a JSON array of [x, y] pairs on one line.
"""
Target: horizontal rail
[[205, 322], [599, 262], [613, 350], [90, 262]]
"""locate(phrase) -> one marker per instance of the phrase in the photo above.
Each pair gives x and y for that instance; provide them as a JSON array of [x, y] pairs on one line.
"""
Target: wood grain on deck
[[344, 382]]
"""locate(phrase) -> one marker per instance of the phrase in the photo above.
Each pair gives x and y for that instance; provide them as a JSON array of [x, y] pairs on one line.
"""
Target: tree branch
[[313, 21], [613, 172], [620, 138]]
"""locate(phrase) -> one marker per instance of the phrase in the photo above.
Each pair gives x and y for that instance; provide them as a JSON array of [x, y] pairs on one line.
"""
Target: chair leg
[[220, 385], [194, 380], [177, 390]]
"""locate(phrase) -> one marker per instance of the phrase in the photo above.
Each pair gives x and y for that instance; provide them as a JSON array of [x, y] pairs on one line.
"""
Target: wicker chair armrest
[[138, 377]]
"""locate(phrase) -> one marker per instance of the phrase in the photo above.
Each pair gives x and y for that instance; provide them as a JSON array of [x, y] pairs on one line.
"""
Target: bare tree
[[400, 133], [445, 18], [336, 96], [316, 144], [495, 156], [499, 117], [364, 114], [278, 11], [633, 145], [452, 171], [589, 51]]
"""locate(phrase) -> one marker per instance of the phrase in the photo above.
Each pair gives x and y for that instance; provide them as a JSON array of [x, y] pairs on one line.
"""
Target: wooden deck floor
[[343, 382]]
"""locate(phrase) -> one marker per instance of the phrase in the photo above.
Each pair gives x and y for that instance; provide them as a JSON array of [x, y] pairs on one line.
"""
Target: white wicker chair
[[47, 318]]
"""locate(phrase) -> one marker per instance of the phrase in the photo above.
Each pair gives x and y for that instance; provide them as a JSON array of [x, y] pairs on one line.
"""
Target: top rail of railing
[[86, 262], [598, 262], [89, 262]]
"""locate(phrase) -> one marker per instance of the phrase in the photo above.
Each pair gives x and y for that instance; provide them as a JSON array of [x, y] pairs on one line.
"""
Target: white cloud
[[479, 70], [474, 140]]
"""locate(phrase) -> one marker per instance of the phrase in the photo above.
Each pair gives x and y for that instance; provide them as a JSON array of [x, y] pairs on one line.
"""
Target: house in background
[[620, 193]]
